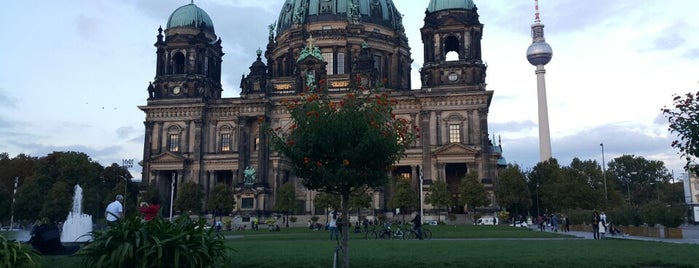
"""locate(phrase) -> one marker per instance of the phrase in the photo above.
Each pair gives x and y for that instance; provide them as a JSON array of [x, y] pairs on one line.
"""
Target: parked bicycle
[[371, 233]]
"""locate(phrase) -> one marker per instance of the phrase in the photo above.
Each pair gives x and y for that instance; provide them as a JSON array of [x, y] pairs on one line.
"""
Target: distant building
[[193, 134]]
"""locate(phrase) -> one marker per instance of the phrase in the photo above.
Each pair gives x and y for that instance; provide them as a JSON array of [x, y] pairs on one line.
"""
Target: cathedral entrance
[[454, 172]]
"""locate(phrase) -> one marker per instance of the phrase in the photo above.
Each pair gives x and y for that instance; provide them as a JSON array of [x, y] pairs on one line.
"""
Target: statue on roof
[[353, 12], [271, 31]]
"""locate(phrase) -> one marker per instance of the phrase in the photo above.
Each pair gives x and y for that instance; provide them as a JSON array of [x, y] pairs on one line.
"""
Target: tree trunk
[[345, 228]]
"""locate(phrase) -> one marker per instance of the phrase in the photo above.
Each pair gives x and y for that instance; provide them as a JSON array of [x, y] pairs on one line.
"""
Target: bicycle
[[413, 233], [371, 233], [337, 255]]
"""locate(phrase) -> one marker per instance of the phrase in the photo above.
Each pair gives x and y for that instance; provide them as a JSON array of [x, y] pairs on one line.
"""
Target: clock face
[[176, 90], [453, 76]]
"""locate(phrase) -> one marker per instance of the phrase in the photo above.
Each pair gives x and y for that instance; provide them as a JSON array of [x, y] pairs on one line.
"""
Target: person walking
[[595, 224], [554, 223], [566, 223], [332, 224], [115, 210]]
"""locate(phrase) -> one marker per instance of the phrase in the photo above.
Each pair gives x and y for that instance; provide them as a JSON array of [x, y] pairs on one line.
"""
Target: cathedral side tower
[[188, 57], [452, 46]]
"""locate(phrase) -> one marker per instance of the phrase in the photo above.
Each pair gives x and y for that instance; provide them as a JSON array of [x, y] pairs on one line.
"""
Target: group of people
[[553, 222], [115, 209]]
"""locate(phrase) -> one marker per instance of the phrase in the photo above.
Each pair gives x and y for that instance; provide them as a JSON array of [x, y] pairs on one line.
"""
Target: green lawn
[[451, 246]]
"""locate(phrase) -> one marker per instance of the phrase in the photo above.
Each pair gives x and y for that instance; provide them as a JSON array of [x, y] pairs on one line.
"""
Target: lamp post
[[604, 176], [422, 209], [628, 188], [172, 192], [126, 164], [12, 206], [537, 200]]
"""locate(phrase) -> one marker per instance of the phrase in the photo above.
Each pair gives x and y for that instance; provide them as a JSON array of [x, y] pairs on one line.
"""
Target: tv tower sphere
[[539, 53]]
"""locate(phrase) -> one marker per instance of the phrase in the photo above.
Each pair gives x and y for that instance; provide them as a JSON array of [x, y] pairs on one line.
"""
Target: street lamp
[[537, 200], [422, 209], [126, 164], [628, 182], [604, 175]]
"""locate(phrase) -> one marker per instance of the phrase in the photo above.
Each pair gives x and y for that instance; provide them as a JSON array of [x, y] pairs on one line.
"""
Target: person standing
[[115, 210], [566, 223], [595, 224], [554, 223], [332, 224], [151, 210]]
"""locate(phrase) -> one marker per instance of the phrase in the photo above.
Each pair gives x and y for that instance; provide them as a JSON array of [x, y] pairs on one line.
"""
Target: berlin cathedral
[[194, 134]]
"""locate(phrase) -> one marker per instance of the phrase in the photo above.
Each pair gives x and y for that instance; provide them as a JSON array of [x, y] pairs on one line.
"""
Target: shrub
[[314, 218], [14, 254], [292, 219], [628, 216], [156, 243]]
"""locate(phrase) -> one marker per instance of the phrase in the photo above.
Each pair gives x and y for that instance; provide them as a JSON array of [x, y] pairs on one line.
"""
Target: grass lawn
[[451, 246]]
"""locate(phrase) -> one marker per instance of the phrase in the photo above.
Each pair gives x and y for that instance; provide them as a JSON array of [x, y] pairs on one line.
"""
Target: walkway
[[690, 235]]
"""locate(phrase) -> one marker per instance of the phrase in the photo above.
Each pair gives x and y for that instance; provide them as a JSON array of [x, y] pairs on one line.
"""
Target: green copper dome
[[190, 16], [381, 12], [437, 5]]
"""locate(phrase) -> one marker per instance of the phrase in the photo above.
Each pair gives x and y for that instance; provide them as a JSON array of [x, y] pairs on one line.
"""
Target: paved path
[[690, 235]]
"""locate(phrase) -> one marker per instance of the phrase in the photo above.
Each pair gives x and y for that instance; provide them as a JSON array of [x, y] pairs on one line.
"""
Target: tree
[[221, 201], [683, 122], [471, 191], [325, 200], [638, 178], [544, 177], [189, 198], [512, 192], [61, 196], [342, 142], [286, 200], [438, 196], [404, 197], [360, 199]]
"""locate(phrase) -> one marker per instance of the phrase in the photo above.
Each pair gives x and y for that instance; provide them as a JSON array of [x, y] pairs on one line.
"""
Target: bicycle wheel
[[426, 234], [409, 235], [370, 235]]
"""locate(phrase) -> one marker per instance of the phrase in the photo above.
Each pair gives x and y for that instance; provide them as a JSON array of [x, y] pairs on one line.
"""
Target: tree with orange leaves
[[343, 143]]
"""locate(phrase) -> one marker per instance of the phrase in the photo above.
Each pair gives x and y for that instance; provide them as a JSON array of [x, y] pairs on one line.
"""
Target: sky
[[73, 72]]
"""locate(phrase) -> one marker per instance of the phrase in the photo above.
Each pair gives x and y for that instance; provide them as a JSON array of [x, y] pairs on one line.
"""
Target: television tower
[[539, 54]]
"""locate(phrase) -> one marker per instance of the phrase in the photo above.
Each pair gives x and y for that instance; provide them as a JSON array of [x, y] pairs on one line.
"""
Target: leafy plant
[[156, 243], [14, 254]]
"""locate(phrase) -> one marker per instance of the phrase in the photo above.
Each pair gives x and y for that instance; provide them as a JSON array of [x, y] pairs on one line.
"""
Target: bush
[[660, 213], [156, 243], [14, 254], [292, 219], [314, 218], [627, 216]]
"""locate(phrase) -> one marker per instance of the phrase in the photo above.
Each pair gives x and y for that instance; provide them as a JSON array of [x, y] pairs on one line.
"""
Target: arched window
[[225, 139], [178, 62], [173, 138], [451, 48]]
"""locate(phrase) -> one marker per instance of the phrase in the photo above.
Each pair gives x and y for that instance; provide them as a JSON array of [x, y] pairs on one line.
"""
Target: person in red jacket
[[151, 210]]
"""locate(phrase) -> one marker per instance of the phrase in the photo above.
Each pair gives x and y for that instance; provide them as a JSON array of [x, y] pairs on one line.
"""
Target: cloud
[[5, 100], [124, 132], [692, 54], [88, 27]]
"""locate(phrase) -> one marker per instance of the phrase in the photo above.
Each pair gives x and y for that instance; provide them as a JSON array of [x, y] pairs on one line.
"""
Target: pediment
[[455, 149], [168, 157]]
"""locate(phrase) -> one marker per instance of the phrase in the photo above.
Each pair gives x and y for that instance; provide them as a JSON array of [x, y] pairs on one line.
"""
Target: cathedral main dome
[[191, 16], [381, 12], [437, 5]]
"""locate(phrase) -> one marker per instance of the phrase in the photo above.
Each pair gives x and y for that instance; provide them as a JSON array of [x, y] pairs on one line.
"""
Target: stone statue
[[310, 80], [151, 90], [353, 12], [271, 31], [249, 173]]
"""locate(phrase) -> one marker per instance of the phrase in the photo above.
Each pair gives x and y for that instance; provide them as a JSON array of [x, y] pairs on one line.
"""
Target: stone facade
[[193, 134]]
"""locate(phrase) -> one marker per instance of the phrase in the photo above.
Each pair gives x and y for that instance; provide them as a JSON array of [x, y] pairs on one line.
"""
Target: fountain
[[78, 225]]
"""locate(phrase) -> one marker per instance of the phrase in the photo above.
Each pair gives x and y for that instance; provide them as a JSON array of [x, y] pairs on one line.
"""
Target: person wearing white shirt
[[115, 210]]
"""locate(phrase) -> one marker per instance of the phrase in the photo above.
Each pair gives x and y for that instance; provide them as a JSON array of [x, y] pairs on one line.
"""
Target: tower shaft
[[544, 133]]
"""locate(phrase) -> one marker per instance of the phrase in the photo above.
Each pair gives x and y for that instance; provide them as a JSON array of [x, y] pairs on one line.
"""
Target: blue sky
[[73, 72]]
